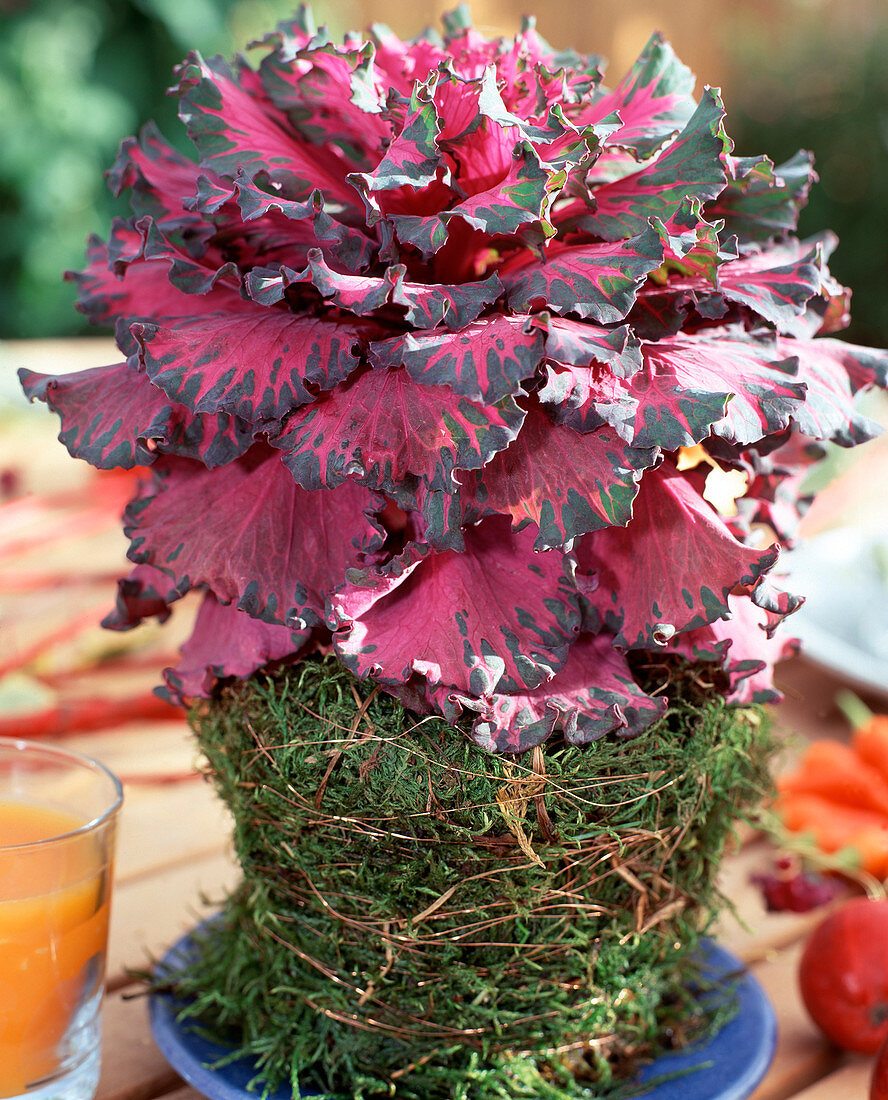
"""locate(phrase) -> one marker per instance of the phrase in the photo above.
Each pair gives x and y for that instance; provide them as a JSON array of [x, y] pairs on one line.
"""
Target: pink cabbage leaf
[[114, 417], [592, 695], [741, 646], [654, 101], [671, 568], [257, 365], [691, 166], [762, 202], [510, 614], [562, 482], [226, 642], [383, 428], [252, 535], [485, 361], [144, 593], [412, 349], [598, 281]]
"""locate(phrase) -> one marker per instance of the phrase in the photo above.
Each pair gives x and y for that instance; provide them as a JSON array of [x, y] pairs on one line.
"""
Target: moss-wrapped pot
[[419, 918]]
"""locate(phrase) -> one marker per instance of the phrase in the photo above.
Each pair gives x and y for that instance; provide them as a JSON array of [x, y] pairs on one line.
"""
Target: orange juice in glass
[[58, 815]]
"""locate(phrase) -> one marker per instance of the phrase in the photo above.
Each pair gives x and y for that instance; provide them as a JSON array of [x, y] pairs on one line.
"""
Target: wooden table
[[174, 848]]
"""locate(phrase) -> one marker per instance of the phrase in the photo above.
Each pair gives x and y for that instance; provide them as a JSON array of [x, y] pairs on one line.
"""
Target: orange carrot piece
[[835, 771], [835, 827], [804, 812], [870, 742], [872, 847]]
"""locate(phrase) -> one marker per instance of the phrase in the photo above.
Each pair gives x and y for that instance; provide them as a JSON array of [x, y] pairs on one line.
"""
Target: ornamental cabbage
[[434, 353]]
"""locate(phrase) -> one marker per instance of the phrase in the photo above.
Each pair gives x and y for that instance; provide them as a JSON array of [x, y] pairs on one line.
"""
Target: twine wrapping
[[415, 911]]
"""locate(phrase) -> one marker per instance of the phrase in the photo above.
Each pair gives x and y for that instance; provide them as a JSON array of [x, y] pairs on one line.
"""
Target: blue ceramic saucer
[[728, 1067]]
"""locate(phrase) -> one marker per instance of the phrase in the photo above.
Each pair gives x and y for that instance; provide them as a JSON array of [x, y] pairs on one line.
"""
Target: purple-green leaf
[[196, 275], [762, 202], [742, 647], [563, 482], [497, 615], [161, 181], [654, 101], [522, 197], [775, 286], [142, 291], [226, 642], [775, 502], [257, 198], [144, 593], [253, 536], [599, 281], [412, 159], [455, 306], [115, 417], [427, 305], [865, 367], [657, 406], [692, 246], [340, 102], [692, 166], [258, 365], [763, 390], [359, 294], [384, 429], [576, 343], [832, 373], [485, 361], [592, 695], [775, 601], [671, 569], [233, 129]]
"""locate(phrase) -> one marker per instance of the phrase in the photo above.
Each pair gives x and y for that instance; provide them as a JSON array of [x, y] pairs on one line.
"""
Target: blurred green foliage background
[[77, 76], [825, 88]]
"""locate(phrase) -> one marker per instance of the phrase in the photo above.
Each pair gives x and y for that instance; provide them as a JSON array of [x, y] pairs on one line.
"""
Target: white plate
[[843, 624]]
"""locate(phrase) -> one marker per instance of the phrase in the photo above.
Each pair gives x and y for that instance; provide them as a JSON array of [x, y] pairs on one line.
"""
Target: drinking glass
[[58, 817]]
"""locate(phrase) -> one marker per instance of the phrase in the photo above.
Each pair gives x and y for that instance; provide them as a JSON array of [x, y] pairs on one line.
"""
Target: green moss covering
[[423, 920]]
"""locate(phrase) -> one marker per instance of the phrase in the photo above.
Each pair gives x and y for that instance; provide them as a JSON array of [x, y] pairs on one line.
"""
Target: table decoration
[[477, 400], [842, 974], [832, 805]]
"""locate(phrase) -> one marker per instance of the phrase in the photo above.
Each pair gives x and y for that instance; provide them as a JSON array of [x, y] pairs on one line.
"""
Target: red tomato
[[843, 975], [879, 1080]]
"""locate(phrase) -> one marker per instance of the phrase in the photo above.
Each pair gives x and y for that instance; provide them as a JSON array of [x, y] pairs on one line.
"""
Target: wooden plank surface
[[132, 1066], [174, 834], [851, 1082], [802, 1057]]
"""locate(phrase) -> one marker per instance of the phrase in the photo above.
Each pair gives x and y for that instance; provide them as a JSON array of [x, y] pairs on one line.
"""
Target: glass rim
[[82, 760]]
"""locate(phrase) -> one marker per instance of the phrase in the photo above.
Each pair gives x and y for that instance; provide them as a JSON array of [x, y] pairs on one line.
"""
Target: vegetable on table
[[838, 795], [843, 975], [871, 743], [879, 1080]]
